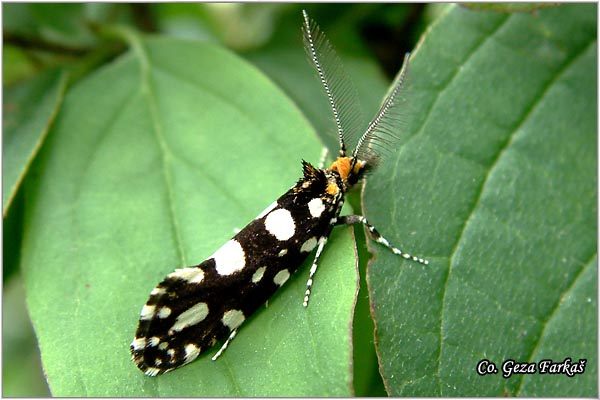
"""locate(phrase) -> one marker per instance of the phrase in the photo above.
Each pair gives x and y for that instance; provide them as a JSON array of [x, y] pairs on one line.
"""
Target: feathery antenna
[[341, 95], [380, 126]]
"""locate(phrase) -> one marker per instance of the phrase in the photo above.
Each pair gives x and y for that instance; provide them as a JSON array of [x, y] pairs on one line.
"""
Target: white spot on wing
[[230, 258], [316, 207], [190, 274], [309, 245], [157, 291], [281, 277], [164, 312], [191, 352], [233, 318], [282, 253], [189, 317], [280, 224], [138, 343], [147, 312], [258, 274]]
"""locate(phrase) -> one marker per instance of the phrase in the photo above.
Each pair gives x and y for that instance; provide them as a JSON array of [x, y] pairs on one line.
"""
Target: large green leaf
[[154, 160], [496, 185]]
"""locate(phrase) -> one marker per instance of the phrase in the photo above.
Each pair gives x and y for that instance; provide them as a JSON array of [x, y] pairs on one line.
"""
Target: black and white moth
[[195, 307]]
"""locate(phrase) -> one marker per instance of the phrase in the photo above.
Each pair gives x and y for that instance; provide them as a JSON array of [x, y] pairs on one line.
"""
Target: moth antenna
[[380, 127], [340, 92]]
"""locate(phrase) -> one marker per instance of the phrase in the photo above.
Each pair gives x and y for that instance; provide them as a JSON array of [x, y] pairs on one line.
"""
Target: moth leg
[[359, 219], [324, 153], [313, 269], [222, 349]]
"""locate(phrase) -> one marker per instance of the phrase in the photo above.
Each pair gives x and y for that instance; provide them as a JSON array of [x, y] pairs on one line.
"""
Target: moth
[[195, 307]]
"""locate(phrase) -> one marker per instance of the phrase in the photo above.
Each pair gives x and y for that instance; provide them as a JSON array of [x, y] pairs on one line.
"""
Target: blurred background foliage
[[40, 37]]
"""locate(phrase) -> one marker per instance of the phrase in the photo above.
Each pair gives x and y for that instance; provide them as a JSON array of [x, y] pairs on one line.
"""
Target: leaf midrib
[[137, 45]]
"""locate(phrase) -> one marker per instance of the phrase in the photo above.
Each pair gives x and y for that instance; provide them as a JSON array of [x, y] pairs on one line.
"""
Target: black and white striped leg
[[222, 349], [359, 219], [313, 269]]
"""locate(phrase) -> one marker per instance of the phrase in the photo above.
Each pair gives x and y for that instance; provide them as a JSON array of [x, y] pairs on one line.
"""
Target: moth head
[[350, 170]]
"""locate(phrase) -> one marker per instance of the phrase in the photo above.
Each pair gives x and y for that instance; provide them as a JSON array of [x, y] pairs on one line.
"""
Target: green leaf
[[496, 185], [29, 110], [153, 162]]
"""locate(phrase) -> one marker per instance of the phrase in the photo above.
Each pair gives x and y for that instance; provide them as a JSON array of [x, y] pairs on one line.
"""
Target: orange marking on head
[[342, 166]]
